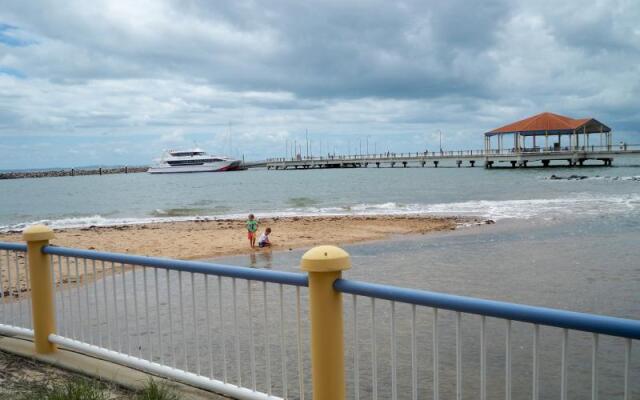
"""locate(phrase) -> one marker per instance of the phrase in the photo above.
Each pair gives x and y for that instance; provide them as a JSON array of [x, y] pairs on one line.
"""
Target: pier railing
[[258, 334], [620, 148]]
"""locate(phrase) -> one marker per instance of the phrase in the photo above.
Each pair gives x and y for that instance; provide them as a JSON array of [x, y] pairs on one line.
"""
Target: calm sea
[[565, 243], [523, 194]]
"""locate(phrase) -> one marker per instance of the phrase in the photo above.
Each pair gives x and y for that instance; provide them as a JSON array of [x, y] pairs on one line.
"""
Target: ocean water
[[565, 243], [494, 194]]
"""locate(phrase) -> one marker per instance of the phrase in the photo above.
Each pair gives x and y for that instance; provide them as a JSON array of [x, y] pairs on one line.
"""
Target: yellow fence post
[[42, 304], [324, 265]]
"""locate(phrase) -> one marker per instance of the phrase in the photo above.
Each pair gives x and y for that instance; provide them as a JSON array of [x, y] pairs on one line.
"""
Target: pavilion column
[[586, 137], [546, 141], [519, 140]]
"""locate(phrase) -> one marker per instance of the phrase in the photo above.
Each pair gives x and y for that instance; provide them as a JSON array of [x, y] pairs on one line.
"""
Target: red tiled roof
[[543, 122]]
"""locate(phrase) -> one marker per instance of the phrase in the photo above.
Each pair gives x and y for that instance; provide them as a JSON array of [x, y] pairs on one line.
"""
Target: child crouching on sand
[[264, 239]]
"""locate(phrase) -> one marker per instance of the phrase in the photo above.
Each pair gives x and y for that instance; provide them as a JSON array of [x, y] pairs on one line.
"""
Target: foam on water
[[582, 204], [632, 178]]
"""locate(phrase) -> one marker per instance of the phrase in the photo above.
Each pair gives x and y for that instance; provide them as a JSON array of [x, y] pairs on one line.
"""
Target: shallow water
[[588, 265]]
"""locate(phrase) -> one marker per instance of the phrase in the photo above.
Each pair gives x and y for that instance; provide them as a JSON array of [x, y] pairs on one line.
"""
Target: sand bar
[[215, 238]]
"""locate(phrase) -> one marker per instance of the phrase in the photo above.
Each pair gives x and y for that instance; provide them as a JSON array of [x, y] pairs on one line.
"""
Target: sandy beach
[[210, 239]]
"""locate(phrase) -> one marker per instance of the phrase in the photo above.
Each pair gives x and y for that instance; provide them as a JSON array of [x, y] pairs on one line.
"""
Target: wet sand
[[210, 239]]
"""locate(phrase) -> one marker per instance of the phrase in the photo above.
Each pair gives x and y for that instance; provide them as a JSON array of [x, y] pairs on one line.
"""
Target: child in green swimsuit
[[252, 228]]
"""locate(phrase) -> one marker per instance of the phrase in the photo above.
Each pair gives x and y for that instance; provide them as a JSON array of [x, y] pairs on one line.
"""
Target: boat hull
[[207, 167]]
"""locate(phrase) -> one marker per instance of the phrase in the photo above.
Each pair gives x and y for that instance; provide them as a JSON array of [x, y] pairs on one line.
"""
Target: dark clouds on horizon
[[126, 79]]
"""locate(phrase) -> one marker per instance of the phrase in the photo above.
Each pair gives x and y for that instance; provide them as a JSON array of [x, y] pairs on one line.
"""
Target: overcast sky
[[114, 82]]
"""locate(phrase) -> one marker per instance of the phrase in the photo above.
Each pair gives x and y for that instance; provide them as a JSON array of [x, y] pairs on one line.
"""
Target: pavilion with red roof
[[545, 126]]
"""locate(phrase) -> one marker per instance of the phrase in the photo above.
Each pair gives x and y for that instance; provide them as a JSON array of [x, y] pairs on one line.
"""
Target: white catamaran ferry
[[194, 160]]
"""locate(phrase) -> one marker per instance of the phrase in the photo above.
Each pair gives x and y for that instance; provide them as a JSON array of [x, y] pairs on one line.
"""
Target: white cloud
[[138, 76]]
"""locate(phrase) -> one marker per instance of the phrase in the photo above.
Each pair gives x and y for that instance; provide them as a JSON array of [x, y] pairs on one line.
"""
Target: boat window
[[188, 153], [194, 162]]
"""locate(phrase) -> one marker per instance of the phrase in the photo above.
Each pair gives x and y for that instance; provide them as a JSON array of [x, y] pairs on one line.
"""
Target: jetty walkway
[[526, 157]]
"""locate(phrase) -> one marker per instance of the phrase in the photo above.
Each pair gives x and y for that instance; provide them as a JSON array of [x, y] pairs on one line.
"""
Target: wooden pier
[[594, 155], [566, 142]]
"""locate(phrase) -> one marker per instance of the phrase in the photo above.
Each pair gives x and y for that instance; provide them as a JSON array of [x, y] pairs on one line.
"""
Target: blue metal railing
[[193, 321], [13, 246], [518, 312], [197, 267], [620, 327]]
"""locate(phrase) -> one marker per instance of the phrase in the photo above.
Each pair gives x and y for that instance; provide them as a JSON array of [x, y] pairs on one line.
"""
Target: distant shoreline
[[50, 173]]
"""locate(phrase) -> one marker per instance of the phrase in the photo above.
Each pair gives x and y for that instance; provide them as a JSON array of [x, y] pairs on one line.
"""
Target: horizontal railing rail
[[621, 327], [198, 267], [13, 246]]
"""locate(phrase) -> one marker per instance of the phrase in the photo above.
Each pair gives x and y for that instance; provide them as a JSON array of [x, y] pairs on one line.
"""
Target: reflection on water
[[261, 259]]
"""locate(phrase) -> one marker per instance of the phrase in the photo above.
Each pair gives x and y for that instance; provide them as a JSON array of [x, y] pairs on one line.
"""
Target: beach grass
[[80, 388], [23, 378], [76, 388], [156, 391]]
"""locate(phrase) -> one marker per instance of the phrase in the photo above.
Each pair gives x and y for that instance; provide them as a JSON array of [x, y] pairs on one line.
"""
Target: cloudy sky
[[117, 81]]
